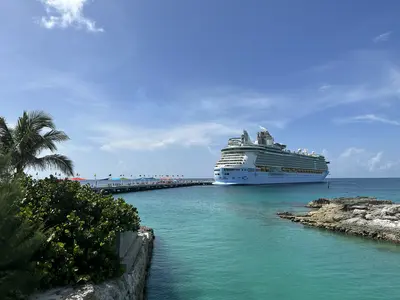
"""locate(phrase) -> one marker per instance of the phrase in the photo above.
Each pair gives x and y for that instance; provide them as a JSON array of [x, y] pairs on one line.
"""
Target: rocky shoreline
[[361, 216]]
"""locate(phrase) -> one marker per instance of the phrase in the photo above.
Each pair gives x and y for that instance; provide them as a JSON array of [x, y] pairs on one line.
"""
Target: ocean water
[[217, 243]]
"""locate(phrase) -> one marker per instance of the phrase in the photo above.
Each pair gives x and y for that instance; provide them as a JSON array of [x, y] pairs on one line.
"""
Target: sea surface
[[216, 242]]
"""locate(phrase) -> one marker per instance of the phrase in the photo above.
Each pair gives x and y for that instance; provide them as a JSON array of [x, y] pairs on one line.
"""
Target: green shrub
[[19, 241], [82, 226]]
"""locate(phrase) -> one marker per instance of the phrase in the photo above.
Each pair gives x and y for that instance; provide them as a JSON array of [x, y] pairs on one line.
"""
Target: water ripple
[[222, 243]]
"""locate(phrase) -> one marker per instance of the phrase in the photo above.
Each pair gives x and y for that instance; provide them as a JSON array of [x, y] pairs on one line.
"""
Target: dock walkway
[[115, 188]]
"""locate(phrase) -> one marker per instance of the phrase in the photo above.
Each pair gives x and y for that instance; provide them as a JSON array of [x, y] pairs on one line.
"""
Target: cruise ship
[[264, 161]]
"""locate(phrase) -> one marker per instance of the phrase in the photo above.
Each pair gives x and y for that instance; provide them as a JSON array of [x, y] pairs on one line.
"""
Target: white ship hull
[[258, 178], [243, 162]]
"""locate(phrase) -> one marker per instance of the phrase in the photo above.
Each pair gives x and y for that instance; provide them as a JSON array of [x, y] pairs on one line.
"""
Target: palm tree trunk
[[19, 169]]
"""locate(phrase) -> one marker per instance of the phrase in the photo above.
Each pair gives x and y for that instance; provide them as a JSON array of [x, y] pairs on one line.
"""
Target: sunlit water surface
[[227, 243]]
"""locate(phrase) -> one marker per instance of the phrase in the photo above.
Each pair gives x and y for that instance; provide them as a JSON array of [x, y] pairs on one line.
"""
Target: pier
[[129, 187]]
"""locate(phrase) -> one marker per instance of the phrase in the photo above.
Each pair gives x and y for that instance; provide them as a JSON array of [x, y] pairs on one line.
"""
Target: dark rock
[[318, 203], [286, 215], [356, 201]]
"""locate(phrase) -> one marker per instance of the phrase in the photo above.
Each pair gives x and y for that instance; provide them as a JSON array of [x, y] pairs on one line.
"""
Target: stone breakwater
[[130, 286], [362, 216]]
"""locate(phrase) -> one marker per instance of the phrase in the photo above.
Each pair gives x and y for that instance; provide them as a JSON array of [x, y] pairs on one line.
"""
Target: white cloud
[[389, 165], [382, 37], [69, 147], [325, 153], [366, 77], [71, 89], [214, 152], [368, 118], [351, 152], [112, 137], [246, 108], [394, 77], [375, 161], [324, 87], [220, 100], [277, 110], [359, 162], [66, 13]]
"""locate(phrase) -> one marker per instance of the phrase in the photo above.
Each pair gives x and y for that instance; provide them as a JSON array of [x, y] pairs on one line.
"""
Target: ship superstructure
[[267, 162]]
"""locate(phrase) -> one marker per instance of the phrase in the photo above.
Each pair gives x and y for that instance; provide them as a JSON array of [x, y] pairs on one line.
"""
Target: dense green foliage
[[18, 240], [52, 232], [34, 133], [82, 226]]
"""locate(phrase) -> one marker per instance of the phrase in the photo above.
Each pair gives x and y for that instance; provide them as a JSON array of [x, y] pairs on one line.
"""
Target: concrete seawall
[[135, 249]]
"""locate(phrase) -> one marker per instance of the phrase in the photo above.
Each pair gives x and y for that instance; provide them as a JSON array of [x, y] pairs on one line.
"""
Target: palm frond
[[5, 167], [57, 161], [6, 139], [22, 133], [34, 132], [56, 136], [39, 120], [28, 136], [3, 126], [47, 141], [28, 130]]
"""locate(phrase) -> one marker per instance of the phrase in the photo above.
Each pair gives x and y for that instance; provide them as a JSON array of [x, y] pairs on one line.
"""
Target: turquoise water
[[227, 243]]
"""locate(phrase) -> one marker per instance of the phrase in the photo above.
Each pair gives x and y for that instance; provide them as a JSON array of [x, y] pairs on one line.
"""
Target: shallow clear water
[[227, 243]]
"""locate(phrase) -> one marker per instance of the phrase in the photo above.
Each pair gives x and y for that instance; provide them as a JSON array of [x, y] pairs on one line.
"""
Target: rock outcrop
[[130, 286], [363, 216]]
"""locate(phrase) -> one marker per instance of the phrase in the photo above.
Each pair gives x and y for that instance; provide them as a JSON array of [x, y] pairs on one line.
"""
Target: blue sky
[[157, 87]]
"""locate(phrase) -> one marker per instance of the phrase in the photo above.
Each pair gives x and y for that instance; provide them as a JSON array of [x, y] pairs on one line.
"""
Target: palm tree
[[34, 132], [18, 240]]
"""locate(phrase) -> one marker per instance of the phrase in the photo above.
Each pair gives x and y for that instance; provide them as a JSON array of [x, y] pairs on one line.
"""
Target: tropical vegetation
[[34, 133], [83, 227], [52, 232], [19, 239]]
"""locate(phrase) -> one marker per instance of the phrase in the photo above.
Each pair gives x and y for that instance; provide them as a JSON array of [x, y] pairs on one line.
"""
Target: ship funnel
[[245, 138]]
